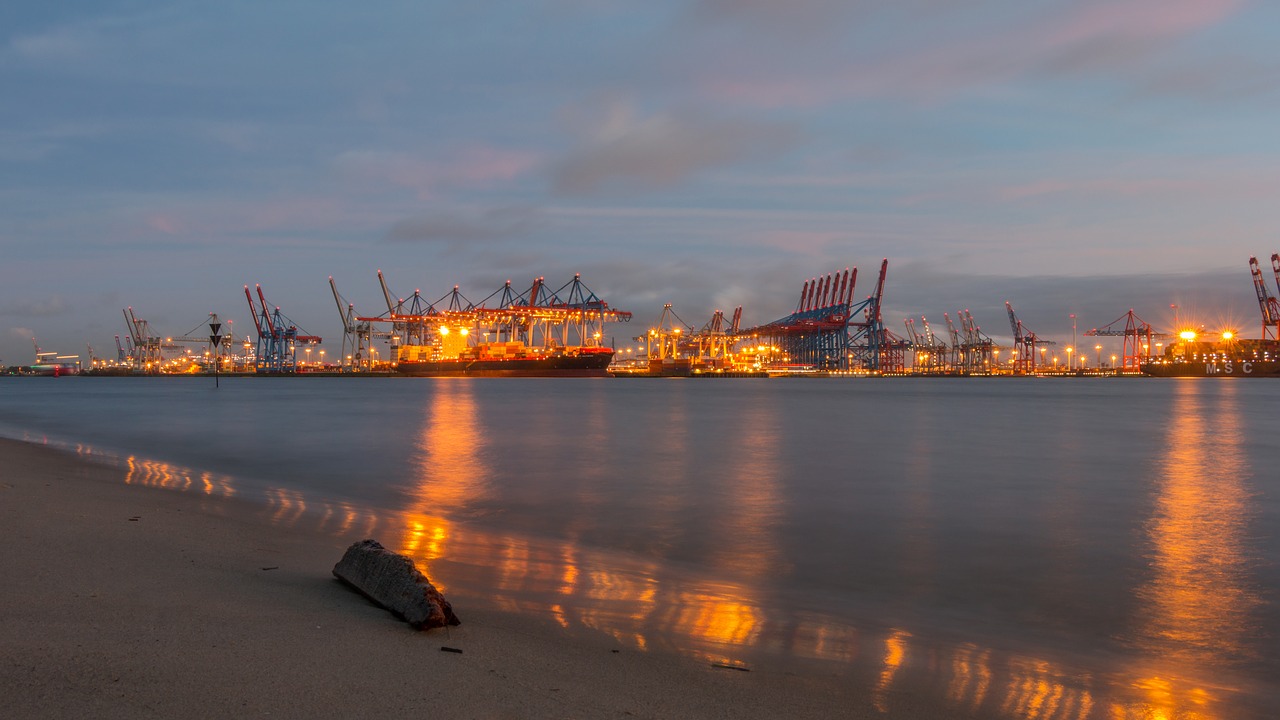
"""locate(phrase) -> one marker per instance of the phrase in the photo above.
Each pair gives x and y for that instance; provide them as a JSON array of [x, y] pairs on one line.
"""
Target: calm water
[[1038, 548]]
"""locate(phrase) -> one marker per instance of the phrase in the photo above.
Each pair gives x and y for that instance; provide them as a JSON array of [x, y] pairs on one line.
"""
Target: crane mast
[[1025, 344], [1266, 303]]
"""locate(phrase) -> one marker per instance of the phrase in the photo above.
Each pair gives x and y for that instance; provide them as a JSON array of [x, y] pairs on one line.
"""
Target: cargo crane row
[[562, 330]]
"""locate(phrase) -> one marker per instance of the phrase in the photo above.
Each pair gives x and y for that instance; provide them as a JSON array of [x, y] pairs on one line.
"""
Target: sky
[[1082, 157]]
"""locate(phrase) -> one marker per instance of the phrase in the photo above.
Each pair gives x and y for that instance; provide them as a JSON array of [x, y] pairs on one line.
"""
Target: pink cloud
[[162, 223], [482, 165], [186, 220], [1096, 35], [1152, 19]]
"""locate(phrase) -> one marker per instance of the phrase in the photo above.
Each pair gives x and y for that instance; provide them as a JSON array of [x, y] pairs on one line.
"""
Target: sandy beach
[[128, 601]]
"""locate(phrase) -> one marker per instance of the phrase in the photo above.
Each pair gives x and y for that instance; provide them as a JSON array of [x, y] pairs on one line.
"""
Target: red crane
[[1266, 303], [1138, 336]]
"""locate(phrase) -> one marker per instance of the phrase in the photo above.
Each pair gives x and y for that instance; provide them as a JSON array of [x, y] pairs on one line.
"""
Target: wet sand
[[127, 601]]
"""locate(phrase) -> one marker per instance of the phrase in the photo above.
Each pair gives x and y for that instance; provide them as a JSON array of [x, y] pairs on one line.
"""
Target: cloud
[[624, 152], [946, 52], [48, 307], [477, 166], [453, 227], [21, 333], [61, 44]]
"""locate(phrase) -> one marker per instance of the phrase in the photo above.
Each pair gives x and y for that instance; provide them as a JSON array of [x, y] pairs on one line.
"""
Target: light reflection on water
[[1193, 605], [1199, 601]]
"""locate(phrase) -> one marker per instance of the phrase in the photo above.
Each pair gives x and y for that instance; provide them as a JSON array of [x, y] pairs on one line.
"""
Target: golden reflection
[[1197, 603], [153, 473], [290, 506], [1040, 690], [569, 572], [451, 471], [722, 620], [970, 676], [895, 650]]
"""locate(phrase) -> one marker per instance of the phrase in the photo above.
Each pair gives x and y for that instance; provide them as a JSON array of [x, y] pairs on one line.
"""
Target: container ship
[[507, 359], [1228, 358]]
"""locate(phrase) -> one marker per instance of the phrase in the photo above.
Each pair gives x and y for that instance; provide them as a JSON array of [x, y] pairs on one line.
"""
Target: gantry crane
[[935, 347], [539, 317], [668, 339], [199, 335], [278, 337], [713, 343], [146, 346], [979, 350], [1266, 302], [357, 335], [957, 349], [875, 347], [1138, 338], [1025, 344]]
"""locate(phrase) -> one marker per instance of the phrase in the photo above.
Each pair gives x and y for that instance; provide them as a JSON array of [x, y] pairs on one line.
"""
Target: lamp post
[[1070, 350], [1098, 348], [1073, 341]]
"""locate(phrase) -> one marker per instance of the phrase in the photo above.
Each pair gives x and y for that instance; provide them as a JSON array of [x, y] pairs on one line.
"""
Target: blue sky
[[1070, 157]]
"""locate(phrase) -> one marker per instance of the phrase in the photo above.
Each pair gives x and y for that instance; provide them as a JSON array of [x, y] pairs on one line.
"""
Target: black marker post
[[215, 341]]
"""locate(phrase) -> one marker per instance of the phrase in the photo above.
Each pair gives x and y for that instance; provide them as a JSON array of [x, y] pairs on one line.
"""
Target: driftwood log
[[392, 581]]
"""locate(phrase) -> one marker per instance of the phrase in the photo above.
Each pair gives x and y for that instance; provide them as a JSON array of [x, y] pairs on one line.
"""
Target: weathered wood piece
[[392, 581]]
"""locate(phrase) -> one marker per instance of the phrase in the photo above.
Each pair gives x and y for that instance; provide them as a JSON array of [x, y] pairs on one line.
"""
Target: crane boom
[[951, 330], [1266, 303], [337, 299], [253, 312], [266, 314], [1275, 268], [910, 325], [884, 270], [391, 306]]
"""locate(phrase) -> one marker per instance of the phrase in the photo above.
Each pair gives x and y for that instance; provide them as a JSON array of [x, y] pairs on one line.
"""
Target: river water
[[1023, 548]]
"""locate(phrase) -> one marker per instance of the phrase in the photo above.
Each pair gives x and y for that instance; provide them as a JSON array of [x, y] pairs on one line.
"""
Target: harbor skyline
[[1072, 158]]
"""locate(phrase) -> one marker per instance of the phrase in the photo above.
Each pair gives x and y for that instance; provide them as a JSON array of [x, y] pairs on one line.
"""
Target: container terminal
[[541, 331]]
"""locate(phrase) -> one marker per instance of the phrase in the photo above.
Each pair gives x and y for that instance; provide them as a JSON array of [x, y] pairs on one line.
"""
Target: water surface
[[1038, 548]]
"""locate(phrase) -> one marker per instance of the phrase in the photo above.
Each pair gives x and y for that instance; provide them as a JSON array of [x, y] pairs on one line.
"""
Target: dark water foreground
[[1039, 548]]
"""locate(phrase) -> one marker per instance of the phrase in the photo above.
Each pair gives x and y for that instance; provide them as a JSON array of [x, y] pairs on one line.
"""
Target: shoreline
[[133, 601], [134, 589]]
